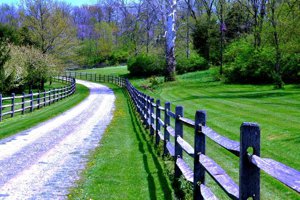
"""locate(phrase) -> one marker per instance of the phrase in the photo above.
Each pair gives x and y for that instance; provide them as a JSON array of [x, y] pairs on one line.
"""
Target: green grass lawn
[[19, 123], [125, 165], [117, 71], [228, 105]]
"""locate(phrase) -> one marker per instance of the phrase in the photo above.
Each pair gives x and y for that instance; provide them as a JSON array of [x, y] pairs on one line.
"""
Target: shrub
[[291, 68], [118, 57], [245, 64], [29, 67], [194, 63], [146, 65]]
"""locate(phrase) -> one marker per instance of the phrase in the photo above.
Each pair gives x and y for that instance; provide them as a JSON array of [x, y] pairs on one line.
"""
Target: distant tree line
[[251, 41]]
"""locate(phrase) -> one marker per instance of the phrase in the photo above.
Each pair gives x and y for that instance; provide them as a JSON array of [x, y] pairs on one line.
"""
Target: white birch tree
[[170, 40]]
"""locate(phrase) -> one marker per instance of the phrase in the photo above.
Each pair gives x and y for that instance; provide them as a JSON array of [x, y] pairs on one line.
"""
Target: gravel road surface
[[45, 161]]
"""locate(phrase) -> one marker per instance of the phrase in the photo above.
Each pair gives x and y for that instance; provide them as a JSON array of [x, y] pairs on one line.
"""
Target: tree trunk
[[222, 29], [277, 76], [170, 41], [188, 30]]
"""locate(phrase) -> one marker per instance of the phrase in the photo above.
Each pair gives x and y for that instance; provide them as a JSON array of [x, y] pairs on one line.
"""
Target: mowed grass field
[[228, 105], [117, 71]]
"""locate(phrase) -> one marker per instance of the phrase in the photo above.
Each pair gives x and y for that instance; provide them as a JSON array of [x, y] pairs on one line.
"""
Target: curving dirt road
[[45, 161]]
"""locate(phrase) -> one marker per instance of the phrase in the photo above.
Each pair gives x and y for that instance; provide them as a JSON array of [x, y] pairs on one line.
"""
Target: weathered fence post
[[199, 146], [60, 93], [44, 97], [57, 94], [31, 101], [38, 100], [146, 109], [86, 76], [151, 116], [54, 96], [23, 103], [157, 113], [178, 132], [49, 96], [167, 123], [249, 173], [12, 105]]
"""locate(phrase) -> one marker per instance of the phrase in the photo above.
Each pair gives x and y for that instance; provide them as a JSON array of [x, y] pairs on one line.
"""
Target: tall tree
[[272, 4], [50, 27], [170, 40], [257, 8], [4, 56], [221, 6]]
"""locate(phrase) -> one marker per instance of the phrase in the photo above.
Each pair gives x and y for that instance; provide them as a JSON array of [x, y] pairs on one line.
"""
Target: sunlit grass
[[227, 106], [125, 165]]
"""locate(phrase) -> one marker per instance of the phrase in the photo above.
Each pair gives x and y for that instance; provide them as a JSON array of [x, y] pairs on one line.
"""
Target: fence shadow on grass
[[143, 147]]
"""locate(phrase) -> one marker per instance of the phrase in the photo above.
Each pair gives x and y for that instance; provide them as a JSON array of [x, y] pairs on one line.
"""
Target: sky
[[72, 2]]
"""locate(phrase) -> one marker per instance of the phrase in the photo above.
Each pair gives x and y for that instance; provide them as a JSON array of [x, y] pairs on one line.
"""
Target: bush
[[245, 64], [194, 63], [118, 57], [291, 68], [146, 65], [27, 67]]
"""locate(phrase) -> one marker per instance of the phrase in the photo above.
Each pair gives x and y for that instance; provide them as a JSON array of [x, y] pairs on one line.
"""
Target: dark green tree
[[4, 56]]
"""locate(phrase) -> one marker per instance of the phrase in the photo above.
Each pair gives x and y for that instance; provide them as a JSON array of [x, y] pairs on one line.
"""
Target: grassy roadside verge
[[125, 165], [22, 122]]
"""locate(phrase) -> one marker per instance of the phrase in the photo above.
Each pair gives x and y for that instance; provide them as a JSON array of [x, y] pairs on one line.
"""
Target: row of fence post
[[249, 184], [98, 78], [53, 96]]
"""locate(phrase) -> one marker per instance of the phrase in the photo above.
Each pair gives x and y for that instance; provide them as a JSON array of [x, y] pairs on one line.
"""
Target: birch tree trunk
[[170, 40]]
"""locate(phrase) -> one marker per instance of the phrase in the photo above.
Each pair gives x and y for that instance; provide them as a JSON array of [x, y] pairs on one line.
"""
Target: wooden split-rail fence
[[10, 106], [160, 119]]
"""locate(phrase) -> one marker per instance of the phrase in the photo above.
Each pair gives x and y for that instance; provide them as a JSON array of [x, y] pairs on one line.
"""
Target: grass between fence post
[[125, 165]]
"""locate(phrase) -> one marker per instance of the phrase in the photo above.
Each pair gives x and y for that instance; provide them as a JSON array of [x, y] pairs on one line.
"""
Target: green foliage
[[236, 21], [206, 39], [245, 64], [9, 33], [153, 84], [191, 64], [4, 57], [118, 56], [28, 67], [291, 68], [146, 65]]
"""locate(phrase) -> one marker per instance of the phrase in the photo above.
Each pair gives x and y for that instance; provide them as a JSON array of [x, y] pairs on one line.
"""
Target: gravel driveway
[[45, 161]]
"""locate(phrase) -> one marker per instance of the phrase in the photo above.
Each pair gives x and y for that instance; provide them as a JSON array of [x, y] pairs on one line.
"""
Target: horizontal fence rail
[[97, 77], [158, 119], [9, 106], [167, 127]]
